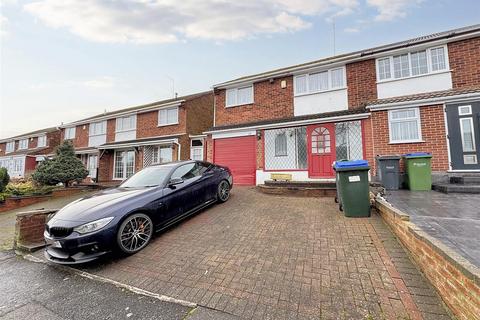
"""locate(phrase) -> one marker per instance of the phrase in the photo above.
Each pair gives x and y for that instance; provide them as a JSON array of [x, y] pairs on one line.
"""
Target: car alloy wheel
[[135, 233], [223, 191]]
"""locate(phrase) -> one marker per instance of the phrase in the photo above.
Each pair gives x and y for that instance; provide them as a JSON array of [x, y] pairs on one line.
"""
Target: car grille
[[58, 232]]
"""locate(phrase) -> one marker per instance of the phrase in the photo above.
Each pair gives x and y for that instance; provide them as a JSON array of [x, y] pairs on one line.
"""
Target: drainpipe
[[179, 150]]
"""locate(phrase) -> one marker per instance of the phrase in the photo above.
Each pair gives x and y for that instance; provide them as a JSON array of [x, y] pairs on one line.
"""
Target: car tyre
[[134, 233], [223, 191]]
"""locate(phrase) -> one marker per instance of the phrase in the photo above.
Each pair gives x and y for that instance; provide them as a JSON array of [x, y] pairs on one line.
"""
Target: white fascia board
[[138, 144], [125, 113], [24, 137], [350, 117], [354, 57], [425, 102]]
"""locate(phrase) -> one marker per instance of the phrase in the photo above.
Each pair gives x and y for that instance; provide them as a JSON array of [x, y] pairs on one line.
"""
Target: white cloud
[[104, 82], [163, 21], [100, 83], [389, 10]]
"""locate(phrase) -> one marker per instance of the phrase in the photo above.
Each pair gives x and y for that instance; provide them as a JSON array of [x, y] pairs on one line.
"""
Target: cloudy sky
[[66, 59]]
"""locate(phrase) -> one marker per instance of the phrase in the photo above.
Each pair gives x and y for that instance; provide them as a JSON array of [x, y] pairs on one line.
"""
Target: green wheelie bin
[[353, 187], [418, 169]]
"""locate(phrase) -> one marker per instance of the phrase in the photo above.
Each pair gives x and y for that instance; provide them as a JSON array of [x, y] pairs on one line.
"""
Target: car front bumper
[[77, 249]]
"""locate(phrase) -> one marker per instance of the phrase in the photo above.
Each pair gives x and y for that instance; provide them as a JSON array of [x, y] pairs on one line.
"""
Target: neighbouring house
[[421, 94], [115, 145], [21, 154]]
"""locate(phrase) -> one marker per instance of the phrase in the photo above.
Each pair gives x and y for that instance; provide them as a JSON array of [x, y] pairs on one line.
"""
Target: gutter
[[137, 144], [424, 102], [294, 123]]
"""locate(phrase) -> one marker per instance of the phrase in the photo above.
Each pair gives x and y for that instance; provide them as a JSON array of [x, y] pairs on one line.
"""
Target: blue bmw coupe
[[125, 218]]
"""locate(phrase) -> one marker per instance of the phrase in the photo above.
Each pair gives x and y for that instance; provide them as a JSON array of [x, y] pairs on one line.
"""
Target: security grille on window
[[10, 146], [168, 116], [295, 149], [281, 145], [157, 155], [348, 140], [23, 144], [239, 96], [412, 64], [69, 133], [42, 141], [404, 125]]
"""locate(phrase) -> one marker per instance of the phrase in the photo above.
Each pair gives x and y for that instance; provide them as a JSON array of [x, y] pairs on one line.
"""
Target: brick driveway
[[271, 257]]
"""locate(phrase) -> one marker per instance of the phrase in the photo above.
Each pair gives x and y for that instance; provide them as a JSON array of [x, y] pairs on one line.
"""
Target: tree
[[4, 178], [65, 167]]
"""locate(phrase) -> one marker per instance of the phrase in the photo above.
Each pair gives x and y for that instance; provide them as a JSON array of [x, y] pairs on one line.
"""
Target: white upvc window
[[23, 144], [162, 155], [127, 123], [124, 164], [168, 116], [239, 96], [97, 128], [468, 134], [404, 125], [319, 81], [412, 64], [10, 147], [196, 149], [41, 141], [69, 133]]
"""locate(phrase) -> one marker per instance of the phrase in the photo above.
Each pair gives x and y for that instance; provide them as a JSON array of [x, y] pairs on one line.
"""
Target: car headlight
[[93, 226]]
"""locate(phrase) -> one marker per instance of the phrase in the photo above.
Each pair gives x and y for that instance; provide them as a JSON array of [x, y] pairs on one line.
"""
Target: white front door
[[196, 149]]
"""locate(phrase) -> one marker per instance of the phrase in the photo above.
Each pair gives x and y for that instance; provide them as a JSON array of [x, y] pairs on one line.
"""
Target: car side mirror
[[174, 182]]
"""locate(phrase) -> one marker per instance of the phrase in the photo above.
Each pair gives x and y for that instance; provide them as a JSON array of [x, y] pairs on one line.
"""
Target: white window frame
[[469, 112], [124, 164], [70, 133], [42, 138], [419, 125], [472, 130], [330, 84], [120, 120], [93, 125], [235, 91], [10, 147], [429, 64], [193, 148], [157, 151], [92, 167], [160, 124], [23, 144]]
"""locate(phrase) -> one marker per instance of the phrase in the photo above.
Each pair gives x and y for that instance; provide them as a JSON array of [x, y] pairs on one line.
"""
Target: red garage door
[[239, 155]]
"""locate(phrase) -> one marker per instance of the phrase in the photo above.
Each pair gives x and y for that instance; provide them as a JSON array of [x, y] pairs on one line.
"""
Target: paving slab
[[452, 218], [271, 257]]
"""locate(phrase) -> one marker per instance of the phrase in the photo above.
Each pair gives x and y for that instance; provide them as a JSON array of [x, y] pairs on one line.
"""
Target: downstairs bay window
[[404, 125]]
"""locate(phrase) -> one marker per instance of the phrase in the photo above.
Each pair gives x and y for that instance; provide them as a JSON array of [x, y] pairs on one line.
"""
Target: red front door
[[321, 150]]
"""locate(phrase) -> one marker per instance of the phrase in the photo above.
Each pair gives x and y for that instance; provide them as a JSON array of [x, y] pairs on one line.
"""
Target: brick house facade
[[115, 145], [21, 154], [363, 104]]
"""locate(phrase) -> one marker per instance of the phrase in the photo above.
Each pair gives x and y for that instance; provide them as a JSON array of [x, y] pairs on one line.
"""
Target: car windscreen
[[148, 177]]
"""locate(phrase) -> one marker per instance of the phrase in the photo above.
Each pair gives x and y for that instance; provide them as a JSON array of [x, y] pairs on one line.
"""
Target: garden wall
[[29, 227], [456, 280]]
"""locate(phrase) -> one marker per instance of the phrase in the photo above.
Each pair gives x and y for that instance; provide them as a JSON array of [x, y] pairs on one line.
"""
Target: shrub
[[64, 168], [20, 188], [4, 179]]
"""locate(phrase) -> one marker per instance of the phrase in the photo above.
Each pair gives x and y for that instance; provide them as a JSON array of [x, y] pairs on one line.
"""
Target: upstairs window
[[69, 133], [404, 125], [42, 141], [98, 128], [412, 64], [126, 123], [239, 96], [320, 81], [10, 147], [23, 144], [168, 116]]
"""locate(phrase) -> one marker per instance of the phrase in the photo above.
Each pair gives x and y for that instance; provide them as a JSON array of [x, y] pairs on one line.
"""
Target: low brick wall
[[297, 192], [456, 279], [29, 227], [22, 201]]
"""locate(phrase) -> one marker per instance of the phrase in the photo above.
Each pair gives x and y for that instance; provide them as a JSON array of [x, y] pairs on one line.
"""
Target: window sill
[[97, 135], [239, 105], [407, 141], [414, 77], [129, 130], [319, 92], [168, 124]]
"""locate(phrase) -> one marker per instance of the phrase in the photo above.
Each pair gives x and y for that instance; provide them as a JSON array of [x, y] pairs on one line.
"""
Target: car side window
[[203, 167], [187, 171]]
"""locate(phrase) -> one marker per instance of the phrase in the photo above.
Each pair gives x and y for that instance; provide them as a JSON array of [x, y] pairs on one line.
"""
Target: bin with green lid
[[353, 187], [418, 169]]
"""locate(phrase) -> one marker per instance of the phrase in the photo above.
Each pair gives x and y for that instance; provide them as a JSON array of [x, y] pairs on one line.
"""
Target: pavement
[[452, 218], [271, 257], [7, 218]]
